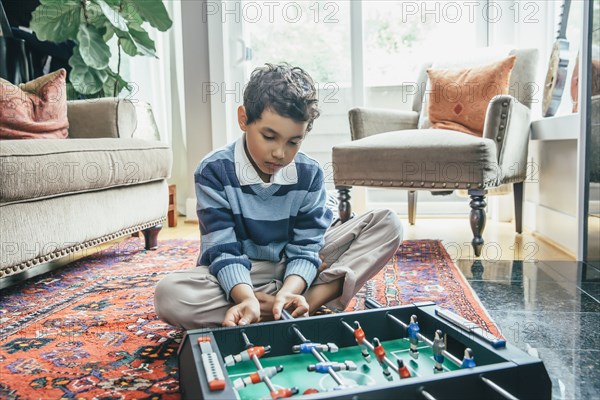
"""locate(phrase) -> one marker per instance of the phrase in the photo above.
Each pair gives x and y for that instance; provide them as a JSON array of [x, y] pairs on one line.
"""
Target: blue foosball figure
[[413, 330], [468, 360]]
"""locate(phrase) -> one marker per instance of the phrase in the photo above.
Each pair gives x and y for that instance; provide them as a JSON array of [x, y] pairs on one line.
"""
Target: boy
[[266, 240]]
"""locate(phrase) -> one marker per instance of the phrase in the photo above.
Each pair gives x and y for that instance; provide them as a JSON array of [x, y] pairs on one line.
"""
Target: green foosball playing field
[[325, 357], [367, 374]]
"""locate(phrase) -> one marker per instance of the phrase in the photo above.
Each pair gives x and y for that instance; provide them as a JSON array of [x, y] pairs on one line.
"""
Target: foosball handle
[[286, 315], [371, 304]]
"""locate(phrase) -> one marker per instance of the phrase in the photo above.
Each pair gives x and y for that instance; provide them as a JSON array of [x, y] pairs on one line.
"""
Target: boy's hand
[[266, 306], [247, 308], [243, 313], [296, 302]]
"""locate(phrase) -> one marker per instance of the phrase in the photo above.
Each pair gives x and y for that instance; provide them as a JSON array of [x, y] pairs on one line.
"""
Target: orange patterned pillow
[[36, 109], [459, 98]]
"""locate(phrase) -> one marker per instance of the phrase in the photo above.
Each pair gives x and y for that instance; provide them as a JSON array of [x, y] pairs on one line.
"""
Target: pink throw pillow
[[36, 109]]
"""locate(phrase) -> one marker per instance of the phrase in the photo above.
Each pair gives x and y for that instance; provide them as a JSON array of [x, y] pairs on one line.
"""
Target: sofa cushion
[[421, 158], [37, 169], [36, 109]]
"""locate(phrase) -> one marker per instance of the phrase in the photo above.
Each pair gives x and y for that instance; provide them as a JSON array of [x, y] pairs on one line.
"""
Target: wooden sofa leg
[[477, 219], [344, 207], [518, 196], [412, 206], [151, 236]]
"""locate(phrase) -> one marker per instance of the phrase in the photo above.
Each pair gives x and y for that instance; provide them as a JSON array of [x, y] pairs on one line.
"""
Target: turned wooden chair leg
[[477, 219], [151, 236], [344, 207], [518, 196], [412, 206]]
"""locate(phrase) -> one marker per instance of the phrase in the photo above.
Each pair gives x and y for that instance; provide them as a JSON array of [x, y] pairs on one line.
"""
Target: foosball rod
[[389, 362], [257, 363], [369, 303], [315, 353]]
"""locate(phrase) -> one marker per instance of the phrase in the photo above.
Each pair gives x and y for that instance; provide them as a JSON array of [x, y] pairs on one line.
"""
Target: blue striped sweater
[[243, 219]]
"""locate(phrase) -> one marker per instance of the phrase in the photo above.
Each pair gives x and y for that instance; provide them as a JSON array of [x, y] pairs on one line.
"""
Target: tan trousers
[[354, 251]]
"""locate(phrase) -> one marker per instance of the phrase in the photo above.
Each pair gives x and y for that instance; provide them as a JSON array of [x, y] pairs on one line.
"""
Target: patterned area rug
[[89, 329]]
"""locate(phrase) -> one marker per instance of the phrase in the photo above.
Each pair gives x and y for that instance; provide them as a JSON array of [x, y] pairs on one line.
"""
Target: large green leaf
[[109, 85], [127, 43], [94, 52], [153, 11], [129, 12], [133, 48], [112, 15], [142, 38], [113, 3], [108, 34], [85, 80], [56, 21], [94, 14]]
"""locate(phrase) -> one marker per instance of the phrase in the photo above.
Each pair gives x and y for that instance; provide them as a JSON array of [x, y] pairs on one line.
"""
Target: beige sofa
[[59, 197]]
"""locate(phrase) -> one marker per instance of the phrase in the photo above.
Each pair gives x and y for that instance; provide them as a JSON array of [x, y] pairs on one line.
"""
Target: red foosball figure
[[402, 370], [380, 354], [284, 393], [359, 335], [247, 354]]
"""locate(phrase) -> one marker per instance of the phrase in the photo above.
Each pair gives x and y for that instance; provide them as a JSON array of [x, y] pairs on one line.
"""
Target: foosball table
[[417, 351]]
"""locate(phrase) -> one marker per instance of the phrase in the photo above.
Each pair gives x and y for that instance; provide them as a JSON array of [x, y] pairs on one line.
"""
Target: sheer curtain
[[159, 82]]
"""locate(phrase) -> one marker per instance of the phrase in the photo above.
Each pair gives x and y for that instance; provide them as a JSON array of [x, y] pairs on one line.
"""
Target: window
[[361, 53]]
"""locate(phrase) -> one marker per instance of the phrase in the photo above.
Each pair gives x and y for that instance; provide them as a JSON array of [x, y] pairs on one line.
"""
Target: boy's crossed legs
[[353, 253]]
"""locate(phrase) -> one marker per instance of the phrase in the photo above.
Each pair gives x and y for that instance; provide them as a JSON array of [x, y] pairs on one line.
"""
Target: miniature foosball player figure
[[247, 354], [413, 330], [402, 370], [438, 351], [468, 360], [380, 354], [258, 376], [323, 367], [306, 348], [359, 335]]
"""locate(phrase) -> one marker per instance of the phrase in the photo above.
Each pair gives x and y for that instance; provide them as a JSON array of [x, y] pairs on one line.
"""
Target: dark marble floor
[[550, 309]]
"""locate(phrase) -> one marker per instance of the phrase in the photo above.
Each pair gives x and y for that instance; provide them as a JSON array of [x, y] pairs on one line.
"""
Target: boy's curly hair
[[288, 91]]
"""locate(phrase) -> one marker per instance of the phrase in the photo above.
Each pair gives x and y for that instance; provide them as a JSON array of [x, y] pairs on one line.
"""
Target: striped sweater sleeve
[[220, 249], [312, 221]]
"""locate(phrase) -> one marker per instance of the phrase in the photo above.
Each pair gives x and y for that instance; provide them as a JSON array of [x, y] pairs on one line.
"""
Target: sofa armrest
[[110, 118], [508, 123], [367, 122]]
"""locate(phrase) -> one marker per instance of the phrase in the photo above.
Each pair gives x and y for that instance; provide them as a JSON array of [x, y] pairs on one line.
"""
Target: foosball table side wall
[[514, 370]]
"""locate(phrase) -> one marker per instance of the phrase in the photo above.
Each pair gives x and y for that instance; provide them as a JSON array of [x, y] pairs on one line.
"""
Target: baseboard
[[554, 226], [554, 244]]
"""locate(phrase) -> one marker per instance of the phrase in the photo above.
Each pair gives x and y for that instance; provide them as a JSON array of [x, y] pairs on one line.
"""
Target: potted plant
[[91, 24]]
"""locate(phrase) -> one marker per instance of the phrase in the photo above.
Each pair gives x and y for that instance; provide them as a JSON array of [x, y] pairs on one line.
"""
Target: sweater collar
[[247, 175]]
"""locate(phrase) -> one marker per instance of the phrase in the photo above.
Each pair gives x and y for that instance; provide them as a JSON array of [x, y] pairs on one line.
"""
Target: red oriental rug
[[89, 329]]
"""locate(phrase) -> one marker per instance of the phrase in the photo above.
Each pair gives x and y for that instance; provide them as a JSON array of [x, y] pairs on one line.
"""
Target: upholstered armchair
[[389, 149]]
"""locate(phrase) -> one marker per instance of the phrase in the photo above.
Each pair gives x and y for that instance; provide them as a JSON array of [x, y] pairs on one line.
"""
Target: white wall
[[550, 208], [548, 212], [197, 112]]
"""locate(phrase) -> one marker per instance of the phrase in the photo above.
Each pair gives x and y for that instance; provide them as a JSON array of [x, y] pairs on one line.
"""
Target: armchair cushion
[[36, 109], [433, 159], [459, 98]]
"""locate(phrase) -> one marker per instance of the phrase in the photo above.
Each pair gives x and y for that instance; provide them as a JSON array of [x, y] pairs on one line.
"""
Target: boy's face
[[272, 141]]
